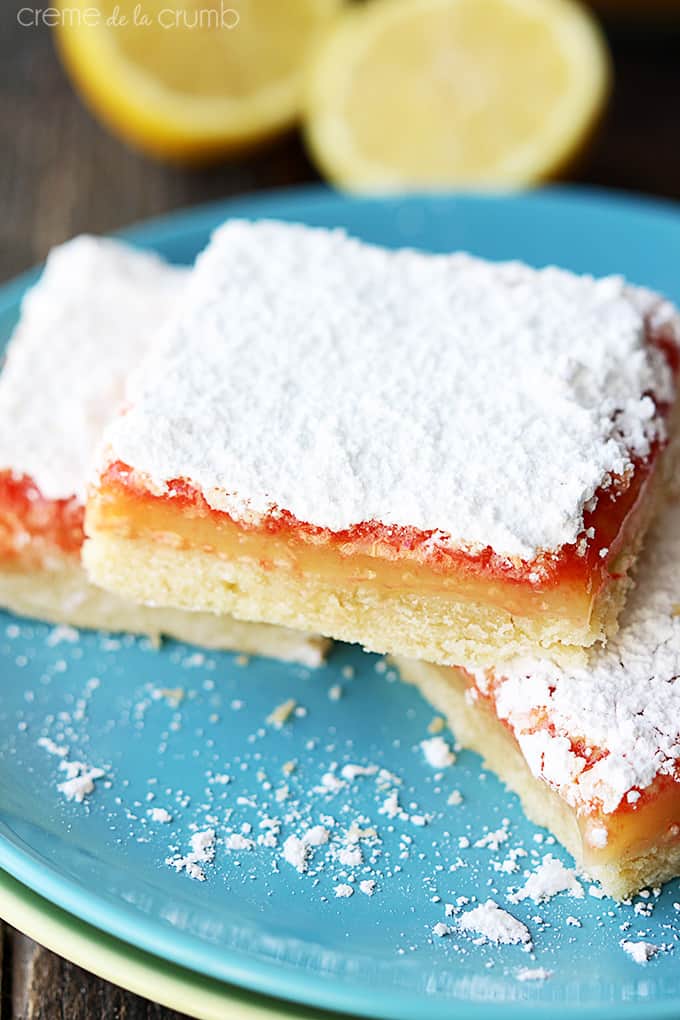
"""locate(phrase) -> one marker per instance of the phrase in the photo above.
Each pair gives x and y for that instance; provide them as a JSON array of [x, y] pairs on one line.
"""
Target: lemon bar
[[593, 752], [432, 455]]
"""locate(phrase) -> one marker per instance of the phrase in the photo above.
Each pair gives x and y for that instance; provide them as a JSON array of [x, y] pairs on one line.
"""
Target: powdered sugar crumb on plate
[[437, 752], [534, 974], [549, 878], [80, 779], [202, 851], [159, 814], [640, 952], [495, 924]]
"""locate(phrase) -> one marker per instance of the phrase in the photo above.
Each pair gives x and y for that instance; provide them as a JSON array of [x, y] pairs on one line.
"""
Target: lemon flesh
[[189, 80], [435, 93]]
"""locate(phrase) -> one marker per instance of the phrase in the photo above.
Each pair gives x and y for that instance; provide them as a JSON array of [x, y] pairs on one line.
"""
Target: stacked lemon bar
[[451, 461], [82, 327]]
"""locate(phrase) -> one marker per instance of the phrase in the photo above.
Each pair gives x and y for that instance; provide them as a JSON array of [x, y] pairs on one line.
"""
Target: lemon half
[[454, 93], [195, 79]]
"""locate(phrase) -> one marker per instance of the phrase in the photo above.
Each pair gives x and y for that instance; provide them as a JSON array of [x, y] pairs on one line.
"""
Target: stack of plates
[[168, 727]]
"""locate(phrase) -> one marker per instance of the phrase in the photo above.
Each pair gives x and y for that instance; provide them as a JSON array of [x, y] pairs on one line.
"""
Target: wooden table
[[60, 174]]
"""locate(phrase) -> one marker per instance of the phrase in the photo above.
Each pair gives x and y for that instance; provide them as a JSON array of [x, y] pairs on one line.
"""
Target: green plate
[[172, 986]]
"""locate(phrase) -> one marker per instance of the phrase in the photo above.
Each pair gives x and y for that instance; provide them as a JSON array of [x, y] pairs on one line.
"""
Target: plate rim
[[133, 969], [109, 918]]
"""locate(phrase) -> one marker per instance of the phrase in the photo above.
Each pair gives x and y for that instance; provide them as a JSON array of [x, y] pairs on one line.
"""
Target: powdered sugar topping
[[308, 372], [84, 325]]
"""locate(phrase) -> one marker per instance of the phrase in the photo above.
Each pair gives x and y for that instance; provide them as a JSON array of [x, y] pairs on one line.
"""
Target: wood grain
[[60, 174], [41, 986]]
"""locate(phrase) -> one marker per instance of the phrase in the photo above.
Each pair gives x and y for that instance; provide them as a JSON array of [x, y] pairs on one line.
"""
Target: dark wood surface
[[61, 173]]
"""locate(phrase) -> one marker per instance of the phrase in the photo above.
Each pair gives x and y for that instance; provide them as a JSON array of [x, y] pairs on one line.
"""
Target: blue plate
[[255, 921]]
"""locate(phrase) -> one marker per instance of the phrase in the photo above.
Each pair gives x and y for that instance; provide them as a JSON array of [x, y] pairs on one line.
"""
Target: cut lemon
[[190, 80], [451, 93]]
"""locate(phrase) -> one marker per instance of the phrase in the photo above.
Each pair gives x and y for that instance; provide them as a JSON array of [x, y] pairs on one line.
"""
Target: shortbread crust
[[430, 455], [594, 752], [84, 325]]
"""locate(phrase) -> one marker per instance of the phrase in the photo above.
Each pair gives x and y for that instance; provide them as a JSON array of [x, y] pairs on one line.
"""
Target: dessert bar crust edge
[[62, 594], [540, 803], [428, 627]]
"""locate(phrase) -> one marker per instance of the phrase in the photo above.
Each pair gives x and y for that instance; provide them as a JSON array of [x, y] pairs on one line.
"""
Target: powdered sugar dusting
[[437, 752], [640, 952], [80, 779], [494, 384], [533, 974], [550, 878], [495, 924], [59, 388], [202, 852]]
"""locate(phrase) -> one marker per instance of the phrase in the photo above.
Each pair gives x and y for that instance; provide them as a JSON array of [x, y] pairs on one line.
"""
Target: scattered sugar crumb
[[350, 856], [495, 924], [534, 974], [282, 713], [492, 840], [437, 752], [390, 805], [640, 952], [343, 891], [173, 695], [236, 841], [355, 833], [159, 814], [455, 798], [221, 778], [203, 844], [335, 692], [80, 780], [61, 750], [350, 772], [295, 852], [202, 852], [550, 878], [440, 929], [316, 836], [367, 886], [330, 784], [62, 632]]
